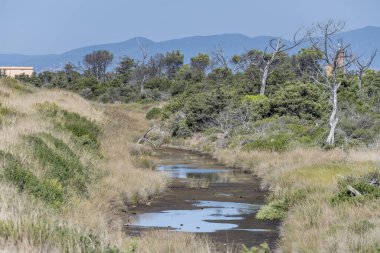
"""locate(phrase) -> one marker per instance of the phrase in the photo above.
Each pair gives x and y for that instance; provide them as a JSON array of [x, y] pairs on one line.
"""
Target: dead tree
[[336, 59], [265, 61], [361, 66], [141, 70], [219, 59]]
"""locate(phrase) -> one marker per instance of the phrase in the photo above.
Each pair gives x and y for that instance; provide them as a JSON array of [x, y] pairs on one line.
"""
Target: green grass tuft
[[85, 131], [61, 162], [49, 190]]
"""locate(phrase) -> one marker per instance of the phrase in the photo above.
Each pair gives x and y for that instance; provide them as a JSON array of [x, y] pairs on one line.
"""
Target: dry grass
[[199, 183], [300, 165], [173, 242], [120, 129], [316, 226], [308, 179], [28, 225]]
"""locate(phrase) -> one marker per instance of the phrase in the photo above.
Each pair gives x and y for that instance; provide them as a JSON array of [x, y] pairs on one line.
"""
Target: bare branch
[[219, 58]]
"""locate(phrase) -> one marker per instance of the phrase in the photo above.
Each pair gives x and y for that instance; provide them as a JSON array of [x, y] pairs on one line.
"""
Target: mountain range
[[363, 41]]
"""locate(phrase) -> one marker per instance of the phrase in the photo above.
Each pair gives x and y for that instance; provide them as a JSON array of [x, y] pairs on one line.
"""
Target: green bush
[[201, 109], [153, 113], [85, 131], [300, 99], [49, 190], [361, 184], [181, 129], [280, 204], [61, 162], [258, 105], [263, 248], [278, 143], [272, 211]]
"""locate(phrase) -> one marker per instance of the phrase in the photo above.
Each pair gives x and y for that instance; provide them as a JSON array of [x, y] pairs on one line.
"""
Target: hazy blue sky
[[53, 26]]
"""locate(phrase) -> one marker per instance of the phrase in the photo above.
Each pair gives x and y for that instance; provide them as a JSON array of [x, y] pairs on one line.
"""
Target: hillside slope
[[68, 172]]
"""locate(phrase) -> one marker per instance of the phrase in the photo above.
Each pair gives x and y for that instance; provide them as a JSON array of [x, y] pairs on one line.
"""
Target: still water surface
[[206, 213]]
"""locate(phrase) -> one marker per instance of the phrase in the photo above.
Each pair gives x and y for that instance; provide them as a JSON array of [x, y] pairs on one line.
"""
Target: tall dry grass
[[317, 226]]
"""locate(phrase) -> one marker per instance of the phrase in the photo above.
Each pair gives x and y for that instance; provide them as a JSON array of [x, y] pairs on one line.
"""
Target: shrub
[[280, 204], [63, 164], [272, 211], [299, 99], [85, 131], [202, 109], [153, 113], [277, 143], [181, 129], [263, 248], [49, 190], [258, 105], [361, 184]]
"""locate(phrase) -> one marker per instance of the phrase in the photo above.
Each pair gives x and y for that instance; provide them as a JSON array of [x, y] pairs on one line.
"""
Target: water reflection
[[213, 175], [198, 220]]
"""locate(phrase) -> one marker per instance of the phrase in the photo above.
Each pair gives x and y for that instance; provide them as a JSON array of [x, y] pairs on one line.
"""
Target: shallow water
[[198, 220], [185, 171], [225, 210]]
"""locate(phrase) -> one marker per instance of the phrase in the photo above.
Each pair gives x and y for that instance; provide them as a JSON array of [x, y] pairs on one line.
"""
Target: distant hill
[[363, 41]]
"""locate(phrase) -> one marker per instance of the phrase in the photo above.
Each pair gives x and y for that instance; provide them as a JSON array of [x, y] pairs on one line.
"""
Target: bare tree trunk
[[264, 80], [333, 117], [360, 80], [142, 89]]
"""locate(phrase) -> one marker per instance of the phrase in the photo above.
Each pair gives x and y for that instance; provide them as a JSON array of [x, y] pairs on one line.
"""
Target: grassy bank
[[69, 169], [308, 192]]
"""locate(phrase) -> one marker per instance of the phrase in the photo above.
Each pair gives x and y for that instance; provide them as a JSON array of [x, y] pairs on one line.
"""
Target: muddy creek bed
[[225, 210]]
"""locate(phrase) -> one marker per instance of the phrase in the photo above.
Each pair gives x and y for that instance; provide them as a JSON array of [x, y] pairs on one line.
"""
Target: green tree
[[125, 69], [97, 63], [173, 61], [200, 63], [307, 60]]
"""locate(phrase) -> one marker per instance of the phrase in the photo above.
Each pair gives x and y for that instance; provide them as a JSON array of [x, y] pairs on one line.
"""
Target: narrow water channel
[[208, 198]]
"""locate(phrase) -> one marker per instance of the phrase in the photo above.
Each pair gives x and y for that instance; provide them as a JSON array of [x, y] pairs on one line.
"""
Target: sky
[[55, 26]]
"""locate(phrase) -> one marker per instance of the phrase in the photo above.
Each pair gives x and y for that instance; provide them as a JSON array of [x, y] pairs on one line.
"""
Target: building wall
[[14, 71]]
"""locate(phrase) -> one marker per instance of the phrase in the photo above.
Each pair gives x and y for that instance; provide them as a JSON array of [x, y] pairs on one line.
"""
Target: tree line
[[227, 86]]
